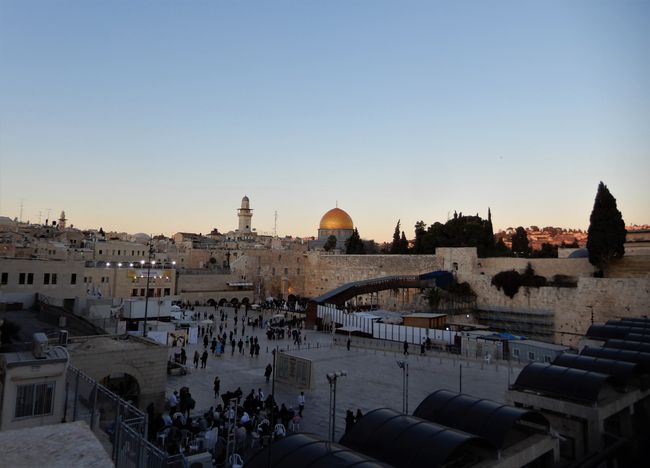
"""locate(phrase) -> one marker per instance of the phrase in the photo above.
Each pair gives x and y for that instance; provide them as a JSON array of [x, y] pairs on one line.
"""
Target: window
[[5, 278], [547, 358], [73, 278], [273, 271], [21, 278], [167, 291], [515, 352], [46, 278], [531, 355], [297, 271], [286, 271], [34, 399], [142, 292], [134, 292], [100, 252], [30, 278], [53, 278]]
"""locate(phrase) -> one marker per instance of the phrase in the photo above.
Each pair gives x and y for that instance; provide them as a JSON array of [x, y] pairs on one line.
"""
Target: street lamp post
[[405, 385], [146, 291], [331, 378]]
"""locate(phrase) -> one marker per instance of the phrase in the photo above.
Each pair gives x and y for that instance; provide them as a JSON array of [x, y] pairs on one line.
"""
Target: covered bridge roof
[[406, 441], [500, 424]]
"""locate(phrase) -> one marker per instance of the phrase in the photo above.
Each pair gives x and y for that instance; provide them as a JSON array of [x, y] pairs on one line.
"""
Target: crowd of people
[[253, 416]]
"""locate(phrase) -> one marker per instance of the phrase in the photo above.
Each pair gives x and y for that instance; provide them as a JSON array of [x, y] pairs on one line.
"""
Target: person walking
[[216, 386], [348, 344], [240, 345], [196, 359], [301, 403], [204, 359], [233, 344], [268, 371], [406, 348]]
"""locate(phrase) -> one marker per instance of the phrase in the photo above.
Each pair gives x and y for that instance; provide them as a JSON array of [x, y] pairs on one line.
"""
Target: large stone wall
[[608, 298], [205, 286], [327, 272]]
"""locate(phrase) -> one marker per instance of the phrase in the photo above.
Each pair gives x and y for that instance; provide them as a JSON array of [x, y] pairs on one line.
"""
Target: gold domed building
[[337, 223]]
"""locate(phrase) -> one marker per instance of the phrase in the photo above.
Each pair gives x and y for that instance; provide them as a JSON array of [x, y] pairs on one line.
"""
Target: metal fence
[[117, 424]]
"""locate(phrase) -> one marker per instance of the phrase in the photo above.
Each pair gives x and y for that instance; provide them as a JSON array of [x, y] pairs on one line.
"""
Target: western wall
[[314, 273]]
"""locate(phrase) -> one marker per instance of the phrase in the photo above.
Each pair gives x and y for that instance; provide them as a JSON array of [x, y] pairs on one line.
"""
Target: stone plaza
[[374, 379]]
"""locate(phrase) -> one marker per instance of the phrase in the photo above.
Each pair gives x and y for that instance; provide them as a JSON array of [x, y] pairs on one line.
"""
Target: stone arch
[[223, 301], [120, 368]]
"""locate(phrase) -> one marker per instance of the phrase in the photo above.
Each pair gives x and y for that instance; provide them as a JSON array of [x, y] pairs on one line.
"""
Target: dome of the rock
[[336, 219]]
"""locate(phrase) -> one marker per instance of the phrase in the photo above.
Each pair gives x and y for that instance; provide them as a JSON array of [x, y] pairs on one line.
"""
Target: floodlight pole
[[331, 378], [405, 385], [146, 293]]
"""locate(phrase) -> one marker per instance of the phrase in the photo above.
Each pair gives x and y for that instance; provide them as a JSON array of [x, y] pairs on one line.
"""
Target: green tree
[[420, 232], [403, 244], [520, 246], [606, 235], [395, 246], [546, 251], [354, 244], [330, 243]]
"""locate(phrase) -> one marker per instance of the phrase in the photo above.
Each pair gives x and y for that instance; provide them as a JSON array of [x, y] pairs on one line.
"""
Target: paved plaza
[[374, 380]]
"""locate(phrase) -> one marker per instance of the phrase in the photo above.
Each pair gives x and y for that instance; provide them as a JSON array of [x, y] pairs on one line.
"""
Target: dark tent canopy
[[637, 337], [562, 382], [643, 359], [502, 425], [622, 371], [406, 441], [629, 323], [605, 332], [625, 344], [299, 450], [636, 319]]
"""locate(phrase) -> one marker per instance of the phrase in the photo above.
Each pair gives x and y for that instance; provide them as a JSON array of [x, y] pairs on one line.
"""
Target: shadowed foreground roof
[[406, 441], [627, 355], [486, 418], [621, 370], [300, 450], [562, 382]]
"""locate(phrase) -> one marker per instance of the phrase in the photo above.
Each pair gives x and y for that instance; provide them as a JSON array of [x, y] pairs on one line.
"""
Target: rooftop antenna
[[47, 221], [275, 224]]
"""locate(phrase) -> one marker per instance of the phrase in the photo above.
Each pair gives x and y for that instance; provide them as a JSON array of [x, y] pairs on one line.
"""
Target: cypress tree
[[606, 235], [395, 246]]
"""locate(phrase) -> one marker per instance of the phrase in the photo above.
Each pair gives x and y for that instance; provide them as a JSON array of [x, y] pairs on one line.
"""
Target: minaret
[[62, 221], [245, 215]]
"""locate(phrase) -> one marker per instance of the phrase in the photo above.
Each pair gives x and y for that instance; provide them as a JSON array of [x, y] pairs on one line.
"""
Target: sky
[[159, 116]]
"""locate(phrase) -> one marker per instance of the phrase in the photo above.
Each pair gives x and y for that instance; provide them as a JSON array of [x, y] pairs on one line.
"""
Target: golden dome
[[336, 219]]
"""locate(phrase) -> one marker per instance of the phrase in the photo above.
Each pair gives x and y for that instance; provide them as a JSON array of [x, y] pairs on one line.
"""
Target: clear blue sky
[[158, 116]]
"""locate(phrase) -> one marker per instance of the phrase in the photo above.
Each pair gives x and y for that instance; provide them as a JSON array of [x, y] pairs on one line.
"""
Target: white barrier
[[385, 331]]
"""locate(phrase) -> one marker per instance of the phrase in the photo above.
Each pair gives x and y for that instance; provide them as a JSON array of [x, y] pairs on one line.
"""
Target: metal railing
[[117, 424]]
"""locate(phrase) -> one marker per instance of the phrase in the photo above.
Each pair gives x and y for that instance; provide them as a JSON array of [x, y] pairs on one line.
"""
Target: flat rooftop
[[58, 445]]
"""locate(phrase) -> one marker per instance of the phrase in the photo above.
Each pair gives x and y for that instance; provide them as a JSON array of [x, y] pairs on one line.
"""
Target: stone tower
[[62, 221], [245, 215]]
